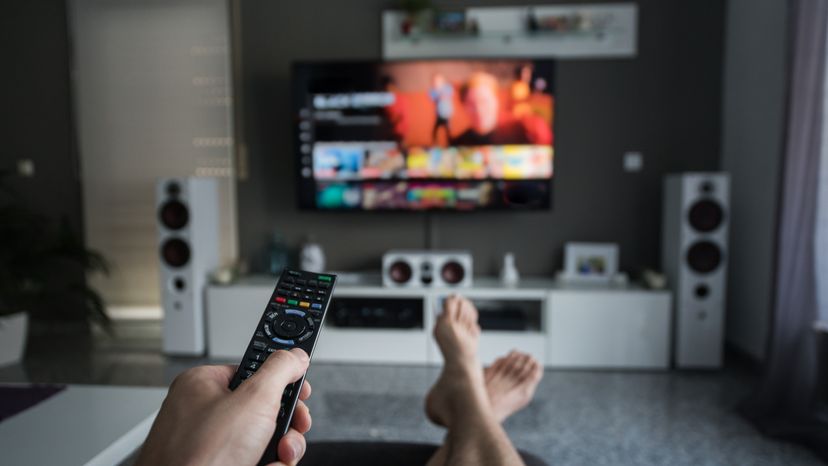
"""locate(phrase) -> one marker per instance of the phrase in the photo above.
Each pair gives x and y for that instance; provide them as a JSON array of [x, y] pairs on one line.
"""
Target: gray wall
[[665, 103], [752, 140]]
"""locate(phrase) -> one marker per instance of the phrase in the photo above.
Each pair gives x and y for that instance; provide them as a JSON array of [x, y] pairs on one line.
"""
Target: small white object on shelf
[[312, 257], [509, 274], [590, 262]]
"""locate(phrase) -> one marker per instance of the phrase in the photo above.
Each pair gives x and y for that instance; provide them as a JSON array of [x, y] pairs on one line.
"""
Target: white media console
[[573, 326]]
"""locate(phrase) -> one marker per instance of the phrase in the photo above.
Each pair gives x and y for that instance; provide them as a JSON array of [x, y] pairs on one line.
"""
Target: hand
[[202, 422]]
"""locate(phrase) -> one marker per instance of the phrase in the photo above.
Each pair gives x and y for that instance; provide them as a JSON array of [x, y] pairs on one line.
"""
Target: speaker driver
[[704, 256], [175, 252], [705, 216], [400, 272], [174, 215], [452, 272]]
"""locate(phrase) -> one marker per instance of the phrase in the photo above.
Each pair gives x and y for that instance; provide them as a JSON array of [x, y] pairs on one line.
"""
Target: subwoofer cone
[[452, 272], [704, 257], [705, 215], [174, 215], [400, 272], [175, 252]]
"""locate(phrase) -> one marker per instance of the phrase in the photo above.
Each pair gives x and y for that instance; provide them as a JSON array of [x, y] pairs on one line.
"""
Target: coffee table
[[80, 425]]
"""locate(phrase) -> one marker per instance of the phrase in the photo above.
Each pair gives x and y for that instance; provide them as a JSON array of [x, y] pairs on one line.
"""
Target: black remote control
[[292, 319]]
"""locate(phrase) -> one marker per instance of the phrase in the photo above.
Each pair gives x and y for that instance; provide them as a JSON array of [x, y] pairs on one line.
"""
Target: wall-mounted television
[[459, 135]]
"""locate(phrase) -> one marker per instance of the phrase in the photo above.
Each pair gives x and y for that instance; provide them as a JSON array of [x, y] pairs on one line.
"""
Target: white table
[[81, 425]]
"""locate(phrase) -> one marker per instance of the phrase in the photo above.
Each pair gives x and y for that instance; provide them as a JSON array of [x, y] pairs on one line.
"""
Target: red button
[[280, 299]]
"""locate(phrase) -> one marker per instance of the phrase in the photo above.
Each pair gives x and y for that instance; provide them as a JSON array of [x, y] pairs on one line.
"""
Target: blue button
[[316, 306], [283, 342], [295, 312]]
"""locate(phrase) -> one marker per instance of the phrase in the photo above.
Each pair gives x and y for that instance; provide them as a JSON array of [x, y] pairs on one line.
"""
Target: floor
[[577, 417]]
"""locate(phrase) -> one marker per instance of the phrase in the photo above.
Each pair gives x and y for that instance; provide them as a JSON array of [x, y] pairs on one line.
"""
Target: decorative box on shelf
[[563, 325]]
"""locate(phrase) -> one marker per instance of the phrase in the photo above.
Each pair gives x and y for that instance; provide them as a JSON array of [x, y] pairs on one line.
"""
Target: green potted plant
[[43, 271]]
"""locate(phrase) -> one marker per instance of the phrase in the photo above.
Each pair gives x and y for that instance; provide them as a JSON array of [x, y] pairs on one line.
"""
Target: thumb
[[280, 369]]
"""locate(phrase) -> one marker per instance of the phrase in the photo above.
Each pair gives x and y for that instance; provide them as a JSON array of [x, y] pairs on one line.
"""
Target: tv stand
[[561, 325]]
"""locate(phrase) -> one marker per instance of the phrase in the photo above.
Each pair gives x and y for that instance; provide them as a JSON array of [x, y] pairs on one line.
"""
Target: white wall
[[753, 120], [153, 99]]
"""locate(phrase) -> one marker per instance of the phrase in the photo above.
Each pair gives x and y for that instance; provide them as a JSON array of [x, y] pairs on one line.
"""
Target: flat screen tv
[[452, 135]]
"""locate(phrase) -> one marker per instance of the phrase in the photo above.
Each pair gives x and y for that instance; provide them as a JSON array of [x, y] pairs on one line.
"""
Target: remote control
[[292, 319]]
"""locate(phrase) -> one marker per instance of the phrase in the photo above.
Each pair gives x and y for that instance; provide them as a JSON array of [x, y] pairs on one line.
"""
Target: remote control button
[[282, 292], [324, 285], [255, 356], [272, 349], [301, 281], [295, 312], [259, 334], [324, 278], [254, 365], [281, 299], [312, 283], [259, 345], [295, 295], [304, 304], [306, 335], [316, 306], [310, 322], [298, 288], [290, 327], [289, 279], [268, 331], [271, 315], [319, 299], [307, 297], [282, 342], [322, 292], [246, 375], [293, 302]]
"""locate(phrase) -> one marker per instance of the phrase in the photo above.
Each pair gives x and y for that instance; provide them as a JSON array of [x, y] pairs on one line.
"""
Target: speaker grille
[[452, 272], [400, 271], [174, 215], [705, 216], [175, 252], [704, 256]]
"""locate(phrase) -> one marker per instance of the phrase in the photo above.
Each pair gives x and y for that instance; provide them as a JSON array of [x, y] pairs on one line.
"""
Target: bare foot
[[511, 382], [457, 335]]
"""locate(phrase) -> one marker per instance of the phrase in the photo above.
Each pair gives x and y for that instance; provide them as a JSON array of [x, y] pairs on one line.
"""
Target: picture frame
[[590, 262]]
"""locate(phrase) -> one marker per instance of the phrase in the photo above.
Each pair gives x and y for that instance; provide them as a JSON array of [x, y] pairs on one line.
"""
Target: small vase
[[13, 332]]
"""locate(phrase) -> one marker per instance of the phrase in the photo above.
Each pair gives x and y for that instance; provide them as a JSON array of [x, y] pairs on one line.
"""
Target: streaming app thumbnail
[[435, 162], [383, 163], [337, 161], [384, 195], [338, 196], [472, 162], [432, 196], [518, 162]]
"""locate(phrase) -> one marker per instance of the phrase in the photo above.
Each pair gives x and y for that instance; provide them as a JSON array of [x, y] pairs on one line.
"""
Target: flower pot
[[13, 331]]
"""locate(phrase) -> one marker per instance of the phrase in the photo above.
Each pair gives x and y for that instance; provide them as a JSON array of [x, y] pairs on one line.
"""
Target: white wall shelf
[[603, 30], [580, 326]]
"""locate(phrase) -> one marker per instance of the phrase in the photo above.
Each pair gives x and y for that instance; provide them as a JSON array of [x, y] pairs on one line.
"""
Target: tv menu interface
[[425, 135]]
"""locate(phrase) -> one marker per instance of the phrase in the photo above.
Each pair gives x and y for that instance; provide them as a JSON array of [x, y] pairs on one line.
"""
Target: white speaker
[[189, 234], [694, 259], [417, 269]]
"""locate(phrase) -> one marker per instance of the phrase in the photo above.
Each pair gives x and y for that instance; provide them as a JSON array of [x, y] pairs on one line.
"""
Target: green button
[[324, 278], [293, 302]]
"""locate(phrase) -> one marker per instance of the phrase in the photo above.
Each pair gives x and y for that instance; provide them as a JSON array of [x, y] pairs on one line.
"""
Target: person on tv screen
[[481, 100], [442, 94]]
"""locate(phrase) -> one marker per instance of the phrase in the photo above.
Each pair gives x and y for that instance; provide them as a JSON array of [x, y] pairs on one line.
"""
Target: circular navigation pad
[[289, 326]]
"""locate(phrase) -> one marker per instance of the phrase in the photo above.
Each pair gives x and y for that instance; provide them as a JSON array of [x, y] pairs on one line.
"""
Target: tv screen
[[458, 135]]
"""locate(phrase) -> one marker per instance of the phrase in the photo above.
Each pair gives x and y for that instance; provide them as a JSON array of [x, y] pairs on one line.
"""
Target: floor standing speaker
[[694, 258], [188, 246]]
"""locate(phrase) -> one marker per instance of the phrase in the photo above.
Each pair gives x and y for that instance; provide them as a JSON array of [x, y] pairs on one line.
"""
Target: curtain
[[786, 403]]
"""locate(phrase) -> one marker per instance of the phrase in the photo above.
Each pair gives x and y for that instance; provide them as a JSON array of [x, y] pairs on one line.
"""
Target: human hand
[[202, 422]]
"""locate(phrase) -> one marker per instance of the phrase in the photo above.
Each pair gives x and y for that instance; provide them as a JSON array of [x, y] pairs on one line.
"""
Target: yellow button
[[304, 304]]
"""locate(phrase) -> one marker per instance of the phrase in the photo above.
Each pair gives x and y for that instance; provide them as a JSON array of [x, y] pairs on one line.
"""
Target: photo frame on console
[[590, 262]]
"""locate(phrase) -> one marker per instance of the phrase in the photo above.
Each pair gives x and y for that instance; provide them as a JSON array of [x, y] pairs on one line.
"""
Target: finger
[[306, 390], [291, 447], [279, 369], [301, 418]]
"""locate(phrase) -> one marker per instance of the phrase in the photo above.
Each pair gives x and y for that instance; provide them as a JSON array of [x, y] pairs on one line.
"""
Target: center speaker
[[694, 258], [436, 269], [189, 232]]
